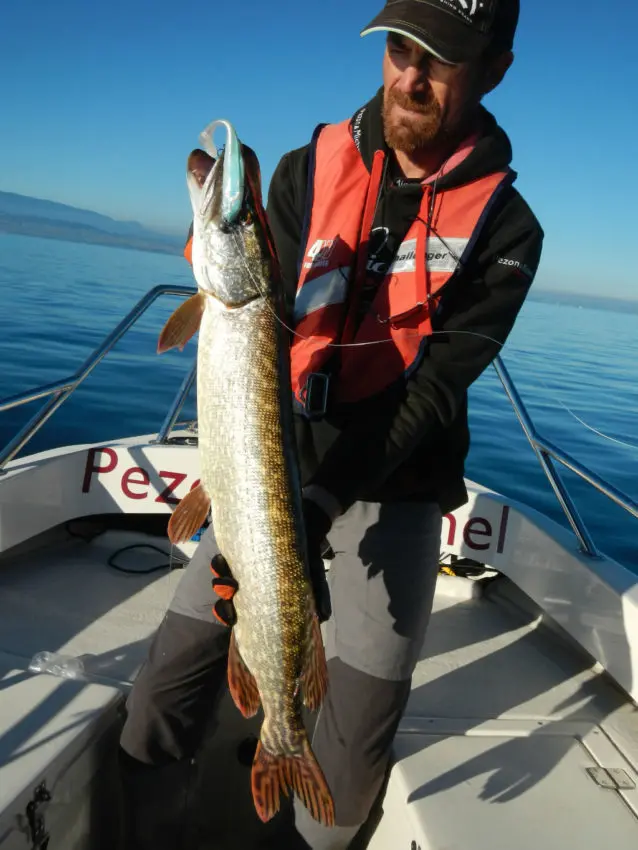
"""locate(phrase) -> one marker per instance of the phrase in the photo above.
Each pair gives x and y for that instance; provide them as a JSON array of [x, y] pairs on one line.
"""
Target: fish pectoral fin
[[241, 682], [273, 774], [314, 680], [189, 516], [183, 324]]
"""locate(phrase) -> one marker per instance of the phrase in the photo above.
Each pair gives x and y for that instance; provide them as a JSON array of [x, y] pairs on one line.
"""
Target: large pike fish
[[249, 473]]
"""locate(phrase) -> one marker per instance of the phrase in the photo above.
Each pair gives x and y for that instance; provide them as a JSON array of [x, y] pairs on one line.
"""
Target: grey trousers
[[382, 582]]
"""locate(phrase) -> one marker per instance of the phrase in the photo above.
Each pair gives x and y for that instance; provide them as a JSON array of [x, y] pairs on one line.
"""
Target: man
[[407, 254]]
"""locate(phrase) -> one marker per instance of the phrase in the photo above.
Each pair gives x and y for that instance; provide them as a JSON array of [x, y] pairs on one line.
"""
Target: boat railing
[[547, 453], [57, 393]]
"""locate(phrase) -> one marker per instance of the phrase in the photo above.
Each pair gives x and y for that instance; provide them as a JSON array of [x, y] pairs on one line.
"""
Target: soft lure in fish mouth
[[233, 178]]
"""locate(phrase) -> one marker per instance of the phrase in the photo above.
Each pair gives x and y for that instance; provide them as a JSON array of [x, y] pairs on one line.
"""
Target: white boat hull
[[513, 706]]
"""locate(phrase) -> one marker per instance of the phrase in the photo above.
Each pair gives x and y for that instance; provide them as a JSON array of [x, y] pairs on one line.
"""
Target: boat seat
[[57, 758], [511, 739], [509, 785], [65, 597]]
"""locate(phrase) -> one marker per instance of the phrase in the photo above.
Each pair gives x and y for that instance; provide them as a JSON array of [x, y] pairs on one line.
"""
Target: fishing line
[[239, 238], [578, 419], [264, 295]]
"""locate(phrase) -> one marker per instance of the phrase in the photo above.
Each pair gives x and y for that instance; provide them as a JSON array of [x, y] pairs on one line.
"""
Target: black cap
[[453, 30]]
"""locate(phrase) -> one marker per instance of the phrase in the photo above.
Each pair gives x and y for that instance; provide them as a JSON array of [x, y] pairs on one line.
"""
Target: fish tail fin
[[189, 516], [272, 774]]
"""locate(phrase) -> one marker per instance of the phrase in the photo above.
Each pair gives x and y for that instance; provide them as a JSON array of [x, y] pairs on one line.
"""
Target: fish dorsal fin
[[315, 675]]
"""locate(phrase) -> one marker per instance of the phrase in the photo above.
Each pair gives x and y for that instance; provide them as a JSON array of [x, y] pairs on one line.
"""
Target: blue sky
[[102, 101]]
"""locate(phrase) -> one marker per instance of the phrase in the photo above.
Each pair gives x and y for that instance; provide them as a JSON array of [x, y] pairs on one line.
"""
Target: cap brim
[[438, 32]]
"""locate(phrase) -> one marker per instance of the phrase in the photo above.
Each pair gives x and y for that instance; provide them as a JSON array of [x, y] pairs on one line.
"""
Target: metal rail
[[176, 407], [60, 391], [546, 452]]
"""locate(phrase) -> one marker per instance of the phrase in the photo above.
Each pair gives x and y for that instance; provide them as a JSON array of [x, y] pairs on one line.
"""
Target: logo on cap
[[470, 6]]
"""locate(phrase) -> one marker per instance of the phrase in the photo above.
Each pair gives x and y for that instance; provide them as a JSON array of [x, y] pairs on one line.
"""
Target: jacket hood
[[493, 151]]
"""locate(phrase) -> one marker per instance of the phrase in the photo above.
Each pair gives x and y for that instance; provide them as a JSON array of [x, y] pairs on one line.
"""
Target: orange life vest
[[389, 340]]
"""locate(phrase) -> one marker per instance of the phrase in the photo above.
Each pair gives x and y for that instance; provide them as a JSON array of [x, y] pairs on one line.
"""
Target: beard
[[410, 133]]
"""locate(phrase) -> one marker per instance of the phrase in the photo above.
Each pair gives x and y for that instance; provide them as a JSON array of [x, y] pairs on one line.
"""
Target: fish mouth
[[230, 226], [200, 164], [221, 184]]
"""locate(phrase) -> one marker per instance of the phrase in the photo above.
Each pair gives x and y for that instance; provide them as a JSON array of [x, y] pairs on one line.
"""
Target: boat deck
[[505, 717]]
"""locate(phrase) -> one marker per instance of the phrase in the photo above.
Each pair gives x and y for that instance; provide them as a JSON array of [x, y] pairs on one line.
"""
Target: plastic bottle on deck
[[56, 664]]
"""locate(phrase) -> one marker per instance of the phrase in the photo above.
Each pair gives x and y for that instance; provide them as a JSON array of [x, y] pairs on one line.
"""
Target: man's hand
[[317, 525], [225, 587]]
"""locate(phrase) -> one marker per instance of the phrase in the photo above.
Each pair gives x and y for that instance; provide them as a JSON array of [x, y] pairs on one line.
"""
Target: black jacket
[[411, 442]]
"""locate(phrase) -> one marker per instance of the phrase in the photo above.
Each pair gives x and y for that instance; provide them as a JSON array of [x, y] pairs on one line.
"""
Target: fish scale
[[253, 506]]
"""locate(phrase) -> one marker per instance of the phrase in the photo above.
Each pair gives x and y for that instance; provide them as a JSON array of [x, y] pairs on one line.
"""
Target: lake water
[[58, 300]]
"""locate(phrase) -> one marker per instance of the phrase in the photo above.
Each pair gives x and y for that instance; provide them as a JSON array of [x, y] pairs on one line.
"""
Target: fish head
[[233, 255]]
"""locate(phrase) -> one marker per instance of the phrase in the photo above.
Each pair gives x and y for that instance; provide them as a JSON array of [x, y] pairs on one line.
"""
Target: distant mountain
[[584, 300], [48, 219]]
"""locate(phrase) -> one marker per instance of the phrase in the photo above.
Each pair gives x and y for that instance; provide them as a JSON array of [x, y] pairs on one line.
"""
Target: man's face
[[425, 99]]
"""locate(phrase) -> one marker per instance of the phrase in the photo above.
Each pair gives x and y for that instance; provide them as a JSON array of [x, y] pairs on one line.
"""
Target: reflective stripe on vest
[[320, 292], [388, 341]]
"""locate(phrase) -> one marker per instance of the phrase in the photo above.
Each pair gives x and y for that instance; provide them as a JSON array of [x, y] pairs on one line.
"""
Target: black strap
[[310, 196]]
